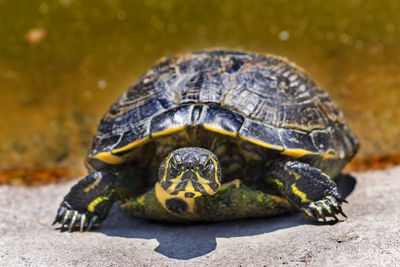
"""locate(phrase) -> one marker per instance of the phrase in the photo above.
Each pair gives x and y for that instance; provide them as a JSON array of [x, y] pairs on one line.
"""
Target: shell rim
[[111, 157]]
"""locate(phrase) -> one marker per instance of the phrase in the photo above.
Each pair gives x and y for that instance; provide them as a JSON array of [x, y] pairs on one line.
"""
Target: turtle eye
[[205, 164], [176, 164]]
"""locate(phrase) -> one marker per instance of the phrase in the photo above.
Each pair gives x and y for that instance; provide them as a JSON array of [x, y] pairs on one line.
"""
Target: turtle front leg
[[89, 201], [307, 188]]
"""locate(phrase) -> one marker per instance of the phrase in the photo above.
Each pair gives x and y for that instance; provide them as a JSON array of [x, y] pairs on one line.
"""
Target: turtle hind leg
[[307, 188], [89, 201]]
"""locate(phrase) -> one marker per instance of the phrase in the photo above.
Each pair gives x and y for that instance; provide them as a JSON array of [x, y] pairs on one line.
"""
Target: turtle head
[[190, 172]]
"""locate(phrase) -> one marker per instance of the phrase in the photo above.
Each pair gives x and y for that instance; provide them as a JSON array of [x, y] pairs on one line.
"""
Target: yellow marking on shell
[[300, 194], [93, 185], [215, 129], [109, 158], [98, 200], [260, 143], [298, 152], [168, 131], [131, 145], [330, 155]]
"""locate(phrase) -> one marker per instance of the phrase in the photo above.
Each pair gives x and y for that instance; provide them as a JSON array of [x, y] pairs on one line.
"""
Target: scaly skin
[[89, 201], [307, 188]]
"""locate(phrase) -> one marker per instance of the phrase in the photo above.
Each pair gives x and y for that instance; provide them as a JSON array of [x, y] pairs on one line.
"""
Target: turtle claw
[[92, 221], [329, 207], [342, 213], [71, 218], [336, 219], [82, 224]]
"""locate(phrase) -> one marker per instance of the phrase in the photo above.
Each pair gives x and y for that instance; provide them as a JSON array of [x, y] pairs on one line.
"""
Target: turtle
[[215, 135]]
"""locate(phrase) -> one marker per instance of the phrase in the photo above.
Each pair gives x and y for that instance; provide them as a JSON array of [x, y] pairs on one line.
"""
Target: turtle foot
[[71, 218], [326, 208]]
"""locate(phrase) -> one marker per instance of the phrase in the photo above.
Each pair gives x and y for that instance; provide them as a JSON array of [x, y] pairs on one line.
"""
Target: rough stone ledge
[[370, 236]]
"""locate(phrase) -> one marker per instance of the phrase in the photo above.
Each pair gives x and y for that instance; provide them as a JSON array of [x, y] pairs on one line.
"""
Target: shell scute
[[261, 98]]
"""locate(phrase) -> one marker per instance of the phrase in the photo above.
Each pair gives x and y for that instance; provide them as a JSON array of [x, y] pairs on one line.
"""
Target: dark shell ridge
[[278, 103]]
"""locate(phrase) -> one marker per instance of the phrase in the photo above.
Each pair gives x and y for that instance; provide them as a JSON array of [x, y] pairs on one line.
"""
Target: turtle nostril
[[189, 175]]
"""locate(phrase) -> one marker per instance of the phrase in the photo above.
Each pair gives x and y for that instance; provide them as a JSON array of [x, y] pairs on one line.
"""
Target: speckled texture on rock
[[370, 236]]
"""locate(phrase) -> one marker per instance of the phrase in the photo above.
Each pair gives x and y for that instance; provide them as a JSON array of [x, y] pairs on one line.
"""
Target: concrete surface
[[370, 236]]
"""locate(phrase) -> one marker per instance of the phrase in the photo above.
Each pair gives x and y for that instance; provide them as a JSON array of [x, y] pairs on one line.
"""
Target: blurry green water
[[55, 87]]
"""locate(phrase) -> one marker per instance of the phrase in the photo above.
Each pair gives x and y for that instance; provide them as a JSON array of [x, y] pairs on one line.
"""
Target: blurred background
[[63, 63]]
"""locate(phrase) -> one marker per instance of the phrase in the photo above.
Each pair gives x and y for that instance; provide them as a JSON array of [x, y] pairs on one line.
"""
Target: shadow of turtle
[[187, 241]]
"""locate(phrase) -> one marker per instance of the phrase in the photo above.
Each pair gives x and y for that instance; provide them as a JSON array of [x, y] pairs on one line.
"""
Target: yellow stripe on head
[[178, 178], [189, 186], [201, 179], [166, 164], [208, 189], [216, 172], [172, 187]]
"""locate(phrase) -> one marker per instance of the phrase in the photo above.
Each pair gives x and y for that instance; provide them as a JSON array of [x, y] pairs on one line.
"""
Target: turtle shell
[[263, 99]]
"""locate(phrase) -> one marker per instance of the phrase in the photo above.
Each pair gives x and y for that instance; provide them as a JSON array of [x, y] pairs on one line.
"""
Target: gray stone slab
[[370, 236]]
